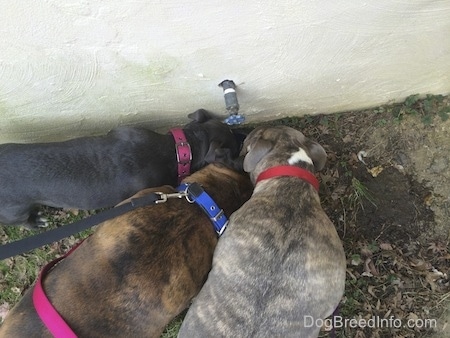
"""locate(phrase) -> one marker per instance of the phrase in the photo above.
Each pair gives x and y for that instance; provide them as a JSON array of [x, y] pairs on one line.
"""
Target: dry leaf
[[74, 212], [431, 278], [367, 274], [369, 267], [437, 248], [347, 139], [419, 264], [370, 289], [356, 260], [386, 246], [352, 275], [412, 316], [375, 171], [360, 334], [386, 315], [338, 192], [428, 200]]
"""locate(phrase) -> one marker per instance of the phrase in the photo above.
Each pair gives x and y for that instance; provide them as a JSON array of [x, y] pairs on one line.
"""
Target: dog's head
[[266, 147], [217, 143]]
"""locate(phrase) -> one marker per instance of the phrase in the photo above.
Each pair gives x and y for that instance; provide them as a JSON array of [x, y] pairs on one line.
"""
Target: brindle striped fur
[[139, 270], [280, 259]]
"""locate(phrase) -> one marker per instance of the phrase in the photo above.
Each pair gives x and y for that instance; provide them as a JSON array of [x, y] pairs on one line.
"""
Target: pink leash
[[44, 308], [184, 154]]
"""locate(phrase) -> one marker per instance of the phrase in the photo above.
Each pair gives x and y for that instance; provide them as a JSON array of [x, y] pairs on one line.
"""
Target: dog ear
[[256, 153], [224, 156], [200, 115], [214, 152], [317, 153]]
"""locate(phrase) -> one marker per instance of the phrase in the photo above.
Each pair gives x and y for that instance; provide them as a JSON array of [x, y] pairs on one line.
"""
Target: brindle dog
[[280, 264], [139, 270]]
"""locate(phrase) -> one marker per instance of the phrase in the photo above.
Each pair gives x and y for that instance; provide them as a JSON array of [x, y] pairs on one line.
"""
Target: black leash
[[50, 236]]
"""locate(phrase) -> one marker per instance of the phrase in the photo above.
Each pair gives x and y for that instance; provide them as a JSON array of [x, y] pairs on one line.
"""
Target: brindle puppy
[[280, 262], [139, 270]]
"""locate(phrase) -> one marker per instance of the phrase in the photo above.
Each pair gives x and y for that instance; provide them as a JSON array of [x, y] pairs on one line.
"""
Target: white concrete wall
[[77, 67]]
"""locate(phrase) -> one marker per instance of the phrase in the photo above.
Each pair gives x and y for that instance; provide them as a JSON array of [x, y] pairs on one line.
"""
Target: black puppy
[[98, 172]]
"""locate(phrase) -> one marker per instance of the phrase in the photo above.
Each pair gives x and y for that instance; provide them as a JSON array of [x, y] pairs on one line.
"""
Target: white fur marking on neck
[[298, 156]]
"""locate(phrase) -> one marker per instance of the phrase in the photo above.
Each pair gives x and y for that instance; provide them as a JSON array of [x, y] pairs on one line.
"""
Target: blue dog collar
[[195, 193]]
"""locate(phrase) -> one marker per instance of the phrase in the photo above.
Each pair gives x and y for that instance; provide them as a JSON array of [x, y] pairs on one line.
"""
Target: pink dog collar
[[287, 170], [184, 154]]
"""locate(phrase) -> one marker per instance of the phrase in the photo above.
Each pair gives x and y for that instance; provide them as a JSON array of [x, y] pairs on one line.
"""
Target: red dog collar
[[287, 170], [184, 154]]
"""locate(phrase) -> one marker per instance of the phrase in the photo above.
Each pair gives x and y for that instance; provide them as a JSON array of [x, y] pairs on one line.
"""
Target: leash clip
[[191, 191], [164, 197]]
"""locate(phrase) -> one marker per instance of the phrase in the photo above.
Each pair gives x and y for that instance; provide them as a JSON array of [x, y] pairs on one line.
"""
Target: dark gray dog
[[279, 268], [101, 171]]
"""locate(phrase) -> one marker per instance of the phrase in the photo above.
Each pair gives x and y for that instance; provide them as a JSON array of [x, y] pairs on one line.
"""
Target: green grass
[[426, 108], [361, 193], [18, 273], [172, 329]]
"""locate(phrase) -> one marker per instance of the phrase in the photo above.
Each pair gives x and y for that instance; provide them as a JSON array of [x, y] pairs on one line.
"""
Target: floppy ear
[[213, 152], [200, 115], [317, 153], [256, 153], [224, 156]]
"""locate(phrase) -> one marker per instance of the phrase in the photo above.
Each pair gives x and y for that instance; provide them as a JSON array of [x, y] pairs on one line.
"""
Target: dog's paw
[[41, 222], [37, 221]]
